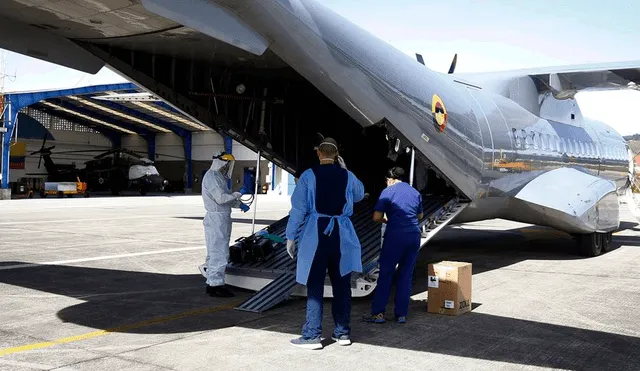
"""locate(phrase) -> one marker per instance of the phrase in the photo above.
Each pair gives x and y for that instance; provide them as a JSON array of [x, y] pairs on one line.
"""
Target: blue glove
[[244, 207]]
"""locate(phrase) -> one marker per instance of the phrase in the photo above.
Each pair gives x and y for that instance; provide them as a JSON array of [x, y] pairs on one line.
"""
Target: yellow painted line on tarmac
[[91, 335]]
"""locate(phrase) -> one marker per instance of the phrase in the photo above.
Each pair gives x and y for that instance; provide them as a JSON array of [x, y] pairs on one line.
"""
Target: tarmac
[[112, 284]]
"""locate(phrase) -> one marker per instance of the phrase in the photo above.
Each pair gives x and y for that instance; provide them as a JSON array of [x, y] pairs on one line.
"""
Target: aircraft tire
[[590, 245], [606, 241]]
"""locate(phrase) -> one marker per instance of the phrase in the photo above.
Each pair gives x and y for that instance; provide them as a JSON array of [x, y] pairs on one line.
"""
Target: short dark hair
[[329, 147], [396, 173]]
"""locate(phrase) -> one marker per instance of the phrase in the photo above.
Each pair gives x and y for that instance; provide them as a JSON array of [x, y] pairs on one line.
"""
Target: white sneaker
[[342, 340]]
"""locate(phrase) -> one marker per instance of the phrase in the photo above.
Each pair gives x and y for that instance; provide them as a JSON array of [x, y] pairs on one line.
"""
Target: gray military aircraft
[[272, 73]]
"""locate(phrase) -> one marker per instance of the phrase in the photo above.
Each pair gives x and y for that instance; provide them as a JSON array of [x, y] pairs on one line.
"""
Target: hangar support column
[[187, 140], [10, 117], [151, 146]]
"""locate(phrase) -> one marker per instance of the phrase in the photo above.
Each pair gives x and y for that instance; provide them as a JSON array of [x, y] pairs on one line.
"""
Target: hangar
[[83, 122]]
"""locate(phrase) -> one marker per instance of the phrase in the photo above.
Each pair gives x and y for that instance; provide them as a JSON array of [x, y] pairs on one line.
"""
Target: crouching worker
[[218, 201], [402, 205], [321, 205]]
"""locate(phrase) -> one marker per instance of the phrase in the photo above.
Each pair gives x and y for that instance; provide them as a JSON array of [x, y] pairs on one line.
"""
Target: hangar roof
[[111, 109]]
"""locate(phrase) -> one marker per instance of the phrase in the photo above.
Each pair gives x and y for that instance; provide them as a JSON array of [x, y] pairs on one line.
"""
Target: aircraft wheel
[[590, 245], [606, 241]]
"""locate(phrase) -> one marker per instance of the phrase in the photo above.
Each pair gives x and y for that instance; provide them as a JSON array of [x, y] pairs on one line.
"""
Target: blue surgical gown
[[303, 225]]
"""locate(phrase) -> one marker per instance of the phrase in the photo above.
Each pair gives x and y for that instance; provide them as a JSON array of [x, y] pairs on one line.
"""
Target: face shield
[[227, 169], [224, 164]]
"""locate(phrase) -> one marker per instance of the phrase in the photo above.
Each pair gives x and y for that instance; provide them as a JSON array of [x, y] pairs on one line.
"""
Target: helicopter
[[119, 169], [114, 170], [55, 172]]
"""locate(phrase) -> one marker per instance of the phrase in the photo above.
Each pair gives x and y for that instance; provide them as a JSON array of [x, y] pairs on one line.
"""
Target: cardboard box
[[449, 288]]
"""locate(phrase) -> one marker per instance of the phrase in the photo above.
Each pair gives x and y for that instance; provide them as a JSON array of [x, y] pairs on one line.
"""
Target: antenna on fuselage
[[451, 68]]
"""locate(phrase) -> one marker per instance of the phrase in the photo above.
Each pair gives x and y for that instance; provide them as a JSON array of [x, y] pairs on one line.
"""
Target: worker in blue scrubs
[[320, 230], [402, 205]]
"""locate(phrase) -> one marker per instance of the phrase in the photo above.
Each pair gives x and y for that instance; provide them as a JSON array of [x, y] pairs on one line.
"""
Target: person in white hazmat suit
[[218, 201]]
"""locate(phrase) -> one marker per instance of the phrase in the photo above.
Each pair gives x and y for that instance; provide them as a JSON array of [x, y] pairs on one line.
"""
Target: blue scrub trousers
[[327, 257], [399, 248]]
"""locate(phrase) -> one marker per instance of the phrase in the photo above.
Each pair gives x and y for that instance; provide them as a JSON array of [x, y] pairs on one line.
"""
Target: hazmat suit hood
[[223, 163]]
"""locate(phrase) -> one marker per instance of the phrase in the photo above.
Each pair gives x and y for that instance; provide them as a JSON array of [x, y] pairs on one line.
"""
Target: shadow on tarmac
[[114, 298], [234, 220]]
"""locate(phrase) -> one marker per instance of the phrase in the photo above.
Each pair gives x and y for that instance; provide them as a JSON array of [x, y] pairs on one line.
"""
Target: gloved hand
[[291, 248], [342, 163], [244, 207], [237, 195]]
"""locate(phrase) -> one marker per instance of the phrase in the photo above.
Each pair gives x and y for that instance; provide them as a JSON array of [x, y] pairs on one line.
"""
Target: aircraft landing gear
[[594, 244], [606, 241]]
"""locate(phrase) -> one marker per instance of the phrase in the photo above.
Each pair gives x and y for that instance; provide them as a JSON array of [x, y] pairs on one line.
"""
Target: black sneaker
[[219, 291]]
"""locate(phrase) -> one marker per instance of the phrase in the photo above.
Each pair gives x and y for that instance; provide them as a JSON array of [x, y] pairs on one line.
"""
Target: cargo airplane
[[273, 73]]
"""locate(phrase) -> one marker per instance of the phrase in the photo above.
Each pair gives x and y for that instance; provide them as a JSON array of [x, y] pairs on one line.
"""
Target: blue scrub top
[[402, 203], [313, 206]]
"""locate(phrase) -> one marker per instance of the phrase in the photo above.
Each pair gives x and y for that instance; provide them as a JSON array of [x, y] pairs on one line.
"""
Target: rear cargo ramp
[[275, 278]]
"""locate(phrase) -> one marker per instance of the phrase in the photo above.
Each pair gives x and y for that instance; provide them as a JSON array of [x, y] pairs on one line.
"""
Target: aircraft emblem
[[439, 113]]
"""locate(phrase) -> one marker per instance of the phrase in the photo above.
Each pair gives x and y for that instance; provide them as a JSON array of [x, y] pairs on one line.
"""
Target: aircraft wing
[[573, 78]]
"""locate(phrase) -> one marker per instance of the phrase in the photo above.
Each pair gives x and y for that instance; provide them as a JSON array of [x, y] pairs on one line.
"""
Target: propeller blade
[[453, 64], [44, 140], [420, 59]]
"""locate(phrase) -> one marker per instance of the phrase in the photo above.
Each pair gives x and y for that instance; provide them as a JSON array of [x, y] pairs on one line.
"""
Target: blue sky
[[488, 35]]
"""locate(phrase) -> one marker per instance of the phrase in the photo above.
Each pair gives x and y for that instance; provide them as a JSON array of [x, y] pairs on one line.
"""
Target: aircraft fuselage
[[485, 144]]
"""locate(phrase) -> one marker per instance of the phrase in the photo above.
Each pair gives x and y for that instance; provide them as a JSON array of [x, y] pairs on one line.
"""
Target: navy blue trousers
[[401, 249], [327, 257]]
